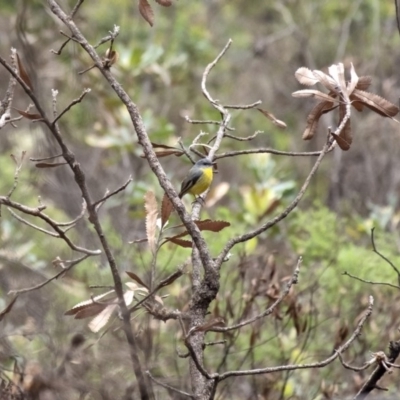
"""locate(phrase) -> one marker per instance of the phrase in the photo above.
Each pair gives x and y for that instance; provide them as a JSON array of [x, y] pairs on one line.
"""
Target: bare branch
[[270, 151], [292, 367], [379, 372]]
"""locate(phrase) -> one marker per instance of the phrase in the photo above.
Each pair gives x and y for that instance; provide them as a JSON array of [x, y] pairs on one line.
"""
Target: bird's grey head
[[204, 162]]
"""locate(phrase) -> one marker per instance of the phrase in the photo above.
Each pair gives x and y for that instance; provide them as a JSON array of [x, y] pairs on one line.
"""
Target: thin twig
[[168, 386], [243, 106], [382, 256], [114, 192], [293, 280], [76, 8], [45, 158], [70, 105], [369, 282], [40, 285], [270, 151], [243, 139], [59, 51], [247, 236]]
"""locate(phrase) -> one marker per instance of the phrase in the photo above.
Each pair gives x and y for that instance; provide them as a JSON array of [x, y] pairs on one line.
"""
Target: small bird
[[199, 178]]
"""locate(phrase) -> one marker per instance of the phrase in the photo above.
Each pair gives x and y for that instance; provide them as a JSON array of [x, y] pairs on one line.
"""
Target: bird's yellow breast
[[203, 182]]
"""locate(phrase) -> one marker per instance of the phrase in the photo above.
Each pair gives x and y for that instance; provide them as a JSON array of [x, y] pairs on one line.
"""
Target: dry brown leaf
[[166, 209], [107, 297], [146, 11], [100, 321], [306, 77], [180, 242], [90, 310], [313, 118], [376, 103], [150, 205], [172, 278], [162, 146], [23, 75], [314, 93], [325, 80], [336, 71], [344, 140], [271, 117], [165, 3], [111, 58], [49, 165], [216, 193], [133, 276], [353, 80], [364, 82], [30, 116]]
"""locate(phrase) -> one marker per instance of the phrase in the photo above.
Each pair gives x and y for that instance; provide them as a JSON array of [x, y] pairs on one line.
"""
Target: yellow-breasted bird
[[199, 178]]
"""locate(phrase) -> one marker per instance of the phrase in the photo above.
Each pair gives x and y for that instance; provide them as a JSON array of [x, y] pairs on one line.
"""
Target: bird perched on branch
[[199, 178]]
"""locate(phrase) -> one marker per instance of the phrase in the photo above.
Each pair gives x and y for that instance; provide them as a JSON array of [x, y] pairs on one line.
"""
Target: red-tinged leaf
[[314, 93], [180, 242], [306, 77], [100, 321], [90, 311], [376, 103], [165, 3], [271, 117], [150, 205], [166, 209], [8, 308], [325, 80], [313, 118], [23, 75], [49, 165], [146, 11], [364, 82], [133, 276], [213, 226], [166, 153], [205, 225], [30, 116]]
